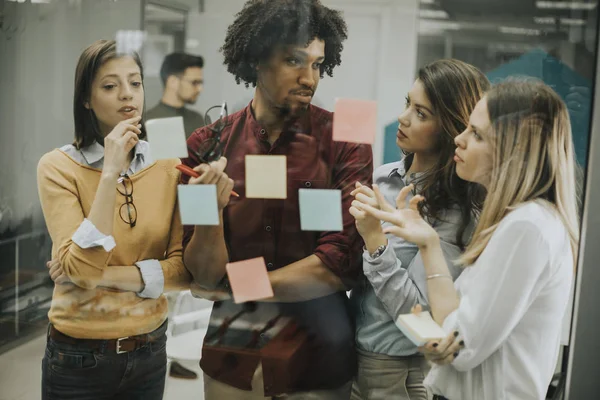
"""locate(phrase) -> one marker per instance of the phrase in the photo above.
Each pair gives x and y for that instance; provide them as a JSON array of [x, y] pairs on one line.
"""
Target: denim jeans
[[75, 372]]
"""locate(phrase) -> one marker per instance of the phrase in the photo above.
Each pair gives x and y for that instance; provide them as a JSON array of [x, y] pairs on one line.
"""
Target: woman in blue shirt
[[437, 110]]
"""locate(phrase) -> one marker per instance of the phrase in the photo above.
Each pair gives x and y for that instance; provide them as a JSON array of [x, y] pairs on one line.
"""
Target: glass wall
[[389, 40]]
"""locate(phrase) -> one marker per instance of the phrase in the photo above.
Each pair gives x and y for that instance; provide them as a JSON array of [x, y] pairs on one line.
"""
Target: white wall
[[37, 69]]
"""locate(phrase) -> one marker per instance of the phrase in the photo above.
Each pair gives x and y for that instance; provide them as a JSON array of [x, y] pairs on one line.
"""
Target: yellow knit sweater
[[67, 190]]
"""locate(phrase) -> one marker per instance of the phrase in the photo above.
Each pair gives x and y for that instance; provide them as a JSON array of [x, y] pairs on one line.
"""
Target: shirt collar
[[298, 125], [401, 172], [95, 152]]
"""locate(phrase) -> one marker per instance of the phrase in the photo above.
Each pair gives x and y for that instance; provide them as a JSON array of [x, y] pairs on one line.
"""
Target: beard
[[191, 100], [286, 111]]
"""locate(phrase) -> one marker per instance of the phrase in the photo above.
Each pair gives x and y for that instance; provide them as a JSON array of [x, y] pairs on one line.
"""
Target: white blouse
[[512, 302]]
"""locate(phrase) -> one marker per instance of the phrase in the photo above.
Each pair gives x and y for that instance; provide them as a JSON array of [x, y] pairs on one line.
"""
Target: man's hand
[[56, 272], [212, 295]]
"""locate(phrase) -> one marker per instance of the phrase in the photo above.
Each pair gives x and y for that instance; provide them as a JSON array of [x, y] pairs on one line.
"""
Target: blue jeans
[[75, 372]]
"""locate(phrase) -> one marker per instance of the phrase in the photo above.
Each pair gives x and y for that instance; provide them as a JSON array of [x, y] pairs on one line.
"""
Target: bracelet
[[438, 276], [379, 251]]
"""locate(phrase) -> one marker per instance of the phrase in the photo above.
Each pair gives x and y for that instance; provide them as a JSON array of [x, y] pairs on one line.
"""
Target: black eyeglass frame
[[215, 147], [123, 179]]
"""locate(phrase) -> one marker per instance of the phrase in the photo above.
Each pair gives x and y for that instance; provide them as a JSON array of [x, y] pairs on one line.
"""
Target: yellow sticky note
[[249, 280], [266, 177], [355, 121]]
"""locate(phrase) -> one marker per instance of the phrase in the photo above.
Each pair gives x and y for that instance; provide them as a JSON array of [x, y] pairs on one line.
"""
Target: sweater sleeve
[[64, 215]]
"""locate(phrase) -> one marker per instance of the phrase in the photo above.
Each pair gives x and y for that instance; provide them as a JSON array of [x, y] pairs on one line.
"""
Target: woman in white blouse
[[504, 313]]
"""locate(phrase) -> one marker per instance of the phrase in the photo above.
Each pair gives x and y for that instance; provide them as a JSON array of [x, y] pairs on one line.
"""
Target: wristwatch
[[379, 251]]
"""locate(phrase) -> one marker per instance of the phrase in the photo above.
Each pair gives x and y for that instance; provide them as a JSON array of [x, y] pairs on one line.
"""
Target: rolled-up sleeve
[[64, 217], [341, 251], [87, 236]]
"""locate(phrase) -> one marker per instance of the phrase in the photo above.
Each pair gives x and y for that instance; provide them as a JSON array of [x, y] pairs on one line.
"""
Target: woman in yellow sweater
[[113, 217]]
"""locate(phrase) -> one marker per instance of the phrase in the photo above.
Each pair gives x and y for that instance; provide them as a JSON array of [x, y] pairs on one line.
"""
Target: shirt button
[[269, 265], [268, 228], [307, 184]]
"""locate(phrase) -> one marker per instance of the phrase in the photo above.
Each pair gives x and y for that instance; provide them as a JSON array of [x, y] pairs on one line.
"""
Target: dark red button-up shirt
[[270, 228]]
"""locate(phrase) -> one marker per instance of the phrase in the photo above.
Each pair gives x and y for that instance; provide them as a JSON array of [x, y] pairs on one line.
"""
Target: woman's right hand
[[118, 143], [367, 226]]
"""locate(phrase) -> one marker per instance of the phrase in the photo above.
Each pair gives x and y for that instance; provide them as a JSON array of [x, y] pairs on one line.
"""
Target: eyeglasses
[[194, 82], [127, 211], [211, 149]]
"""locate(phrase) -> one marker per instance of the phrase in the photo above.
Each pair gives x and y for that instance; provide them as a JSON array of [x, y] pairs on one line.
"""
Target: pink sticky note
[[249, 280], [355, 121]]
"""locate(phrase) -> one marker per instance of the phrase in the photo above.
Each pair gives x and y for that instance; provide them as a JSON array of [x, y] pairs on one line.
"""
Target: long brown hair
[[86, 124], [533, 159], [453, 87]]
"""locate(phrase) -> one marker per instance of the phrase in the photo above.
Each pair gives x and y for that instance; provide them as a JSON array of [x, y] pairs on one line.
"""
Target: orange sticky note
[[266, 177], [249, 280], [355, 121]]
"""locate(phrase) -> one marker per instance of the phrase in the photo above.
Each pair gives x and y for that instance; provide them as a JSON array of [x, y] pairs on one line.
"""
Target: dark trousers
[[71, 371]]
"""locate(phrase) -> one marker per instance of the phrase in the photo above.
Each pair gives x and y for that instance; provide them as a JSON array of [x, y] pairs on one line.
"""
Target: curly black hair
[[264, 25]]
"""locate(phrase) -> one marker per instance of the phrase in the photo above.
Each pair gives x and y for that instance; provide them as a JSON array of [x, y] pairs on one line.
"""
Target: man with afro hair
[[282, 48]]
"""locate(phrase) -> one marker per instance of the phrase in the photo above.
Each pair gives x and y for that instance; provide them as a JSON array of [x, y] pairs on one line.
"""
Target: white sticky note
[[420, 328], [167, 138], [320, 210], [266, 177], [198, 204]]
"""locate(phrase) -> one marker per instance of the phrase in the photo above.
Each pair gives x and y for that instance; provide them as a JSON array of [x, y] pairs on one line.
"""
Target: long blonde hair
[[532, 159]]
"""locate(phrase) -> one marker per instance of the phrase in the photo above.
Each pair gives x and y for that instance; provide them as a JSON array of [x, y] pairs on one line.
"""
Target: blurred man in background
[[182, 76]]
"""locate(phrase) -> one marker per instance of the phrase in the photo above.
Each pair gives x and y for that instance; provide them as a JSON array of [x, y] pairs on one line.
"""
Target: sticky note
[[266, 177], [198, 204], [320, 210], [167, 138], [129, 41], [420, 328], [249, 280], [355, 121]]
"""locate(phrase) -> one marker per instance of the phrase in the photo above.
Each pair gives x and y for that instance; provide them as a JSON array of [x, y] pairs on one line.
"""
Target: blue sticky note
[[320, 210], [198, 204]]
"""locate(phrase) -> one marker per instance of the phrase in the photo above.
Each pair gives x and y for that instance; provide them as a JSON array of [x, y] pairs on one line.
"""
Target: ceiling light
[[544, 20], [433, 14], [428, 26], [572, 21], [565, 5], [520, 31]]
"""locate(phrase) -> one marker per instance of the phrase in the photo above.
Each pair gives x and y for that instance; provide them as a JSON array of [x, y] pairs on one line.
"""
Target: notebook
[[420, 328]]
